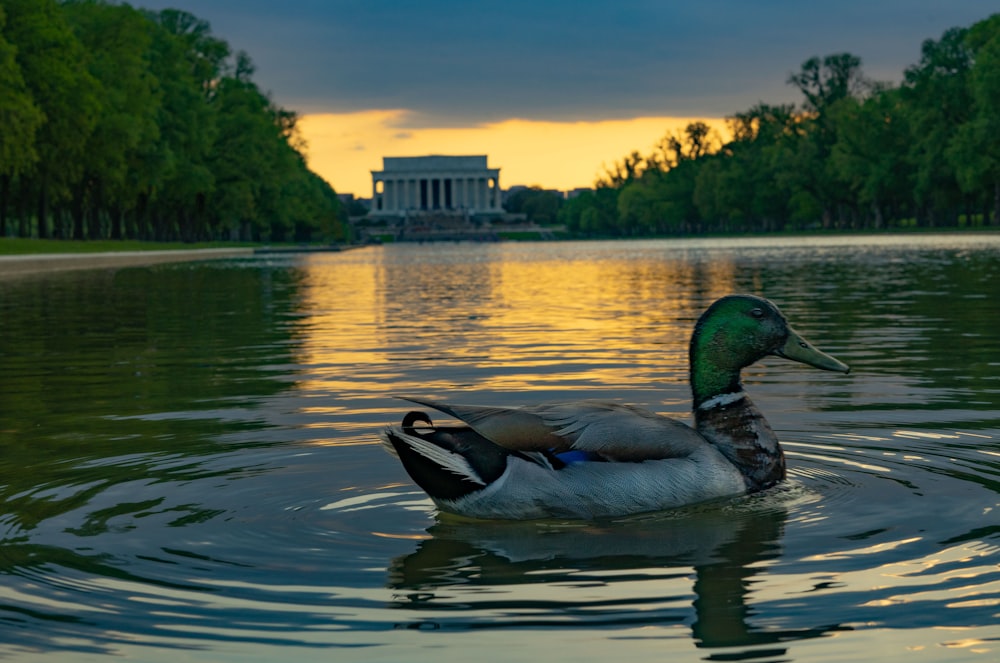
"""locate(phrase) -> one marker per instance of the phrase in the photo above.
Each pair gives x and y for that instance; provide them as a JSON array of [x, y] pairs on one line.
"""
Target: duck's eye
[[757, 313]]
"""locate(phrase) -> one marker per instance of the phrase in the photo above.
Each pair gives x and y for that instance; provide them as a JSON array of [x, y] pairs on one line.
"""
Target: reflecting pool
[[191, 469]]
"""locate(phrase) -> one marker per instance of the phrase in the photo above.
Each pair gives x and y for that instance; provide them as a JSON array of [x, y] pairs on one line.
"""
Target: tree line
[[855, 154], [117, 122]]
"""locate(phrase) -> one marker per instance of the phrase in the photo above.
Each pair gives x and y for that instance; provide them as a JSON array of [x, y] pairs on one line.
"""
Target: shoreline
[[36, 263], [26, 264]]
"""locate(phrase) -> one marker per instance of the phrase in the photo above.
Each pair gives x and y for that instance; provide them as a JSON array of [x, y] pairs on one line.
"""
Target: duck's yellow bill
[[797, 348]]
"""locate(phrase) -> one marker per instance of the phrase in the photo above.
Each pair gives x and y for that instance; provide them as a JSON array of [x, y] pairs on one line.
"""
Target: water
[[190, 468]]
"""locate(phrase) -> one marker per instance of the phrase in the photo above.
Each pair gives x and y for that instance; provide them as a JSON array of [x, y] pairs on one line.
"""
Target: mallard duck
[[594, 459]]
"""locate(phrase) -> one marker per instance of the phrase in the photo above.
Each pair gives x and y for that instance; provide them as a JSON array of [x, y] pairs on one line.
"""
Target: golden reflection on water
[[540, 320], [342, 299]]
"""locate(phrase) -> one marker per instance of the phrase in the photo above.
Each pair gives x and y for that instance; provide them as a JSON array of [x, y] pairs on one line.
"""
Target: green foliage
[[19, 115], [117, 43], [592, 213], [120, 123], [939, 103], [855, 154], [826, 82], [975, 152], [52, 62], [537, 204], [869, 156]]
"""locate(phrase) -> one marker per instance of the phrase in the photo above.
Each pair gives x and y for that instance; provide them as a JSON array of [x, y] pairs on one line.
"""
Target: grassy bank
[[18, 246]]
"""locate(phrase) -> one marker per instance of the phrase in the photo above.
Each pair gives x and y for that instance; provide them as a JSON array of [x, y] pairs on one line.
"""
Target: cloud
[[454, 62]]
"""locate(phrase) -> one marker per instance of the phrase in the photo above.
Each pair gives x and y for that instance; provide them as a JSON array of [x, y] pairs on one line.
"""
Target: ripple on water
[[190, 467]]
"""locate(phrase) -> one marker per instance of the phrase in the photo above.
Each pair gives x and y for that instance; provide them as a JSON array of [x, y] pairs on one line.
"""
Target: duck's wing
[[614, 431]]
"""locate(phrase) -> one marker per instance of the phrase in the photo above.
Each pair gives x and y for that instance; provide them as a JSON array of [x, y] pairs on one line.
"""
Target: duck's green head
[[737, 331]]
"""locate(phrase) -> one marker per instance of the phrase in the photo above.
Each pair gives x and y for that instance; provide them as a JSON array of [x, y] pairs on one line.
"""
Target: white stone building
[[455, 185]]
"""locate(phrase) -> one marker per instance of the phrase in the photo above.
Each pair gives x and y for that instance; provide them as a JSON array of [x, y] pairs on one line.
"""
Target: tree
[[825, 83], [622, 172], [20, 118], [538, 205], [142, 124], [117, 40], [743, 185], [975, 149], [246, 157], [695, 141], [939, 101], [52, 63], [641, 208], [189, 61], [592, 212], [871, 152]]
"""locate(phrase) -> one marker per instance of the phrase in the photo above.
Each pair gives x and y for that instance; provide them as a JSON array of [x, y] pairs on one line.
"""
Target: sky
[[553, 91]]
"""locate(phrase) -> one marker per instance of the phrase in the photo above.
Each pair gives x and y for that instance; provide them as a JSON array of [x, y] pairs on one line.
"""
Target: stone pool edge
[[27, 264]]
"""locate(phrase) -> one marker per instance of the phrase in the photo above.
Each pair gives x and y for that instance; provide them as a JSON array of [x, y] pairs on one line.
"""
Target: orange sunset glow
[[345, 148]]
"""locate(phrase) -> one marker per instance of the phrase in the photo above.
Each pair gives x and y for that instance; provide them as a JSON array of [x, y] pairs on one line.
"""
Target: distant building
[[440, 185]]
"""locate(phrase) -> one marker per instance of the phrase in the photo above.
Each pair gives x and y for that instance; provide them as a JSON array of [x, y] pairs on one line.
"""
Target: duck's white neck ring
[[722, 399]]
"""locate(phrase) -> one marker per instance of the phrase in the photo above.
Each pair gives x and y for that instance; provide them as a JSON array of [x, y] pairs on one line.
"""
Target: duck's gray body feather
[[587, 490], [637, 461]]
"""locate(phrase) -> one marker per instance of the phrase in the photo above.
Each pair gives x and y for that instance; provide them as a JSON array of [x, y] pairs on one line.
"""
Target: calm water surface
[[190, 468]]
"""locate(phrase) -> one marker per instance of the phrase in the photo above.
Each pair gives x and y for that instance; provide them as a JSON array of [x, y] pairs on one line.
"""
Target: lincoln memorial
[[446, 185]]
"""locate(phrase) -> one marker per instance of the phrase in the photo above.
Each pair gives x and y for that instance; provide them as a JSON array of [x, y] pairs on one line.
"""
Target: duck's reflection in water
[[617, 574]]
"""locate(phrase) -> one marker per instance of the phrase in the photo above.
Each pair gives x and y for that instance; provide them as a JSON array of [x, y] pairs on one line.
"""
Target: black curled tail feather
[[413, 417], [447, 462]]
